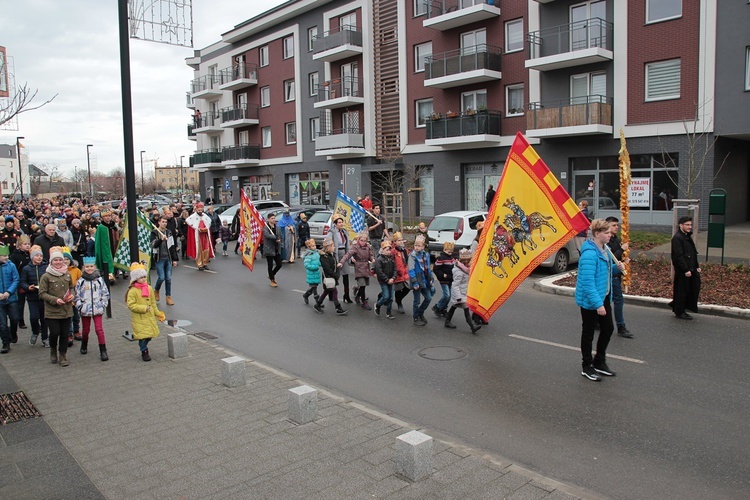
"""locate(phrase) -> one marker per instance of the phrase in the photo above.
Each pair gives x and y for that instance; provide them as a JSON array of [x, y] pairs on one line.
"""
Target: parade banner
[[122, 254], [531, 217], [251, 230], [352, 213]]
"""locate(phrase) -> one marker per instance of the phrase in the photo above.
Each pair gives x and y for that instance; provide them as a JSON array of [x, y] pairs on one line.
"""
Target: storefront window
[[258, 187], [309, 188]]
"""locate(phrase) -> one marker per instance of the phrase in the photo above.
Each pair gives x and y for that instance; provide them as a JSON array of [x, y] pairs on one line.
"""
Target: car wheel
[[560, 264]]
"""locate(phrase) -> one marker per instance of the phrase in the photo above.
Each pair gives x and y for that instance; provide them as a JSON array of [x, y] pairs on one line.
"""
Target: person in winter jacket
[[20, 258], [75, 275], [401, 284], [92, 298], [311, 260], [224, 235], [30, 275], [361, 253], [143, 309], [331, 269], [56, 290], [164, 252], [385, 270], [9, 280], [443, 269], [459, 285], [594, 295], [272, 248], [420, 278], [340, 237]]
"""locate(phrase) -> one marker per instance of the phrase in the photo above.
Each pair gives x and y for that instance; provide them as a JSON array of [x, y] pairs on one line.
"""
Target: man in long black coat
[[687, 273]]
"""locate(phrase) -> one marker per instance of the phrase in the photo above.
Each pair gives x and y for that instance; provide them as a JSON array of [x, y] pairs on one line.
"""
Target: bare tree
[[20, 102]]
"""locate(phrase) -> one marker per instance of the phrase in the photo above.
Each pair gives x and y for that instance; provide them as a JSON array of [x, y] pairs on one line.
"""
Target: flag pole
[[625, 179]]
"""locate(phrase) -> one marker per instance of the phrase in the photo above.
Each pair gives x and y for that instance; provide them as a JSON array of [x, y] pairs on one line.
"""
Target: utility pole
[[142, 190], [182, 179], [88, 162]]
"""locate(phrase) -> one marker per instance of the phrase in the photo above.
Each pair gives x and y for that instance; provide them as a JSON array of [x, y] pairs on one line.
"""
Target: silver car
[[320, 226]]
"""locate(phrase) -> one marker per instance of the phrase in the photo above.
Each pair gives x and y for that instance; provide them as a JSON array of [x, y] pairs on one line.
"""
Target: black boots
[[145, 356], [103, 352], [84, 346], [474, 328], [345, 280], [449, 317]]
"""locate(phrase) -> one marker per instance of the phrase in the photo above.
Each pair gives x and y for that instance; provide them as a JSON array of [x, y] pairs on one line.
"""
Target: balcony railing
[[241, 152], [207, 120], [205, 82], [189, 101], [239, 113], [344, 35], [571, 112], [437, 8], [204, 156], [241, 71], [190, 130], [458, 61], [465, 124], [340, 87], [587, 34]]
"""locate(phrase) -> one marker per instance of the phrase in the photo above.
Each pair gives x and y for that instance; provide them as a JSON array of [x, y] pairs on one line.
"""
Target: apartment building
[[10, 171], [176, 179], [426, 97]]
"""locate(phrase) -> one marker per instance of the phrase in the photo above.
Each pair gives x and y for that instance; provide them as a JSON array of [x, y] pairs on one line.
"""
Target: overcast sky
[[71, 48]]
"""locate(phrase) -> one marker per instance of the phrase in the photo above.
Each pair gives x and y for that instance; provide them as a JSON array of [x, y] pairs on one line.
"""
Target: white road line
[[574, 348], [206, 271]]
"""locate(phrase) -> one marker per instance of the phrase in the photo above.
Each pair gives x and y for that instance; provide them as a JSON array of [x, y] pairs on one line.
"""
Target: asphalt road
[[672, 424]]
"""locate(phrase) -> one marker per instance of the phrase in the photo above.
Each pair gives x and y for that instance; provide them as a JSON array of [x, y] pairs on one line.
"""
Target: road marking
[[574, 348], [298, 291], [205, 271]]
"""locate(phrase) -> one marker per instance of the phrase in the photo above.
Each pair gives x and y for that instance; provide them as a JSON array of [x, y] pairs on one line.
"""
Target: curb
[[547, 285]]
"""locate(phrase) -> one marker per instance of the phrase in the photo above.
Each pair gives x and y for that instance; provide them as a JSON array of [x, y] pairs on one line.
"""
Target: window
[[265, 97], [265, 133], [473, 41], [421, 53], [747, 67], [588, 87], [288, 44], [314, 128], [584, 33], [424, 111], [288, 90], [263, 55], [420, 8], [663, 80], [476, 100], [348, 21], [291, 133], [514, 100], [662, 10], [313, 81], [514, 35], [243, 137], [312, 33]]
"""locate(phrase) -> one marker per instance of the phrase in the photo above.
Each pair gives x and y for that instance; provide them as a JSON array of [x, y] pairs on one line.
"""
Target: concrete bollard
[[177, 345], [233, 371], [303, 404], [414, 455]]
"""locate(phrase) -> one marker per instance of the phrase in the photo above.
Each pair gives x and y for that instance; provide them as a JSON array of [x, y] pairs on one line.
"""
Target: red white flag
[[251, 230]]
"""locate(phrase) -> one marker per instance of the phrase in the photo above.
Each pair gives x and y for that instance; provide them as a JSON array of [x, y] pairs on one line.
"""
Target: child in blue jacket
[[311, 259]]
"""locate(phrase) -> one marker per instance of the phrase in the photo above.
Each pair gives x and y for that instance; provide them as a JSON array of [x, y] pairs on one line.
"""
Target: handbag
[[327, 282]]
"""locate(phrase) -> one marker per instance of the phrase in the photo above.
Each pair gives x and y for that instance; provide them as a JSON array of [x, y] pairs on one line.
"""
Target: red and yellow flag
[[531, 218], [251, 230]]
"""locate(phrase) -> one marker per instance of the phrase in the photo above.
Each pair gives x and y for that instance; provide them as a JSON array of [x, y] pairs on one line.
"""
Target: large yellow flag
[[531, 218]]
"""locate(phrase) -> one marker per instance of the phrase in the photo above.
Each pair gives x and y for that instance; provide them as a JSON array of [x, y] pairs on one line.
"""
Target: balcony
[[205, 159], [476, 128], [456, 68], [340, 143], [189, 101], [206, 87], [448, 14], [242, 116], [340, 93], [575, 116], [337, 44], [239, 76], [207, 124], [191, 132], [568, 45], [244, 155]]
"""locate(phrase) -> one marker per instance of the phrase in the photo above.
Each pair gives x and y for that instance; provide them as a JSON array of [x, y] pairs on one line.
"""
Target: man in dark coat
[[489, 198], [687, 274], [9, 235], [48, 239], [303, 232]]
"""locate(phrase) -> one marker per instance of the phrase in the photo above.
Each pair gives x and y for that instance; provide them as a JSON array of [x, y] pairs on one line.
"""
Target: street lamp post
[[182, 179], [88, 162], [75, 177], [20, 171], [142, 190]]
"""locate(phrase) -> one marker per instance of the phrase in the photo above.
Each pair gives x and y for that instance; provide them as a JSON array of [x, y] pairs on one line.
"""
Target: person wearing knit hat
[[9, 235], [20, 257], [8, 298], [143, 309], [92, 298], [30, 275], [386, 273], [56, 290], [361, 253]]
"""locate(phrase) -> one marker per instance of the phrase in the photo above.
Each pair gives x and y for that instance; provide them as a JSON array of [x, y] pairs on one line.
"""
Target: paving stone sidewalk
[[125, 429]]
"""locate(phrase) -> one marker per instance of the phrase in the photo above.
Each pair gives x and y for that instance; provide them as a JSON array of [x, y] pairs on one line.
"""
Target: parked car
[[459, 227], [220, 208], [320, 225], [562, 259], [228, 214]]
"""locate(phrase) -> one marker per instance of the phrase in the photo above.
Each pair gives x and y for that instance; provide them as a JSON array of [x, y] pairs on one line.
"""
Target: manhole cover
[[442, 353], [179, 323], [205, 336]]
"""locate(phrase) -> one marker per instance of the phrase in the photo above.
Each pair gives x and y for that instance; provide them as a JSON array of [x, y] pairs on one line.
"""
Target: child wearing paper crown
[[75, 275], [143, 310], [92, 298]]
